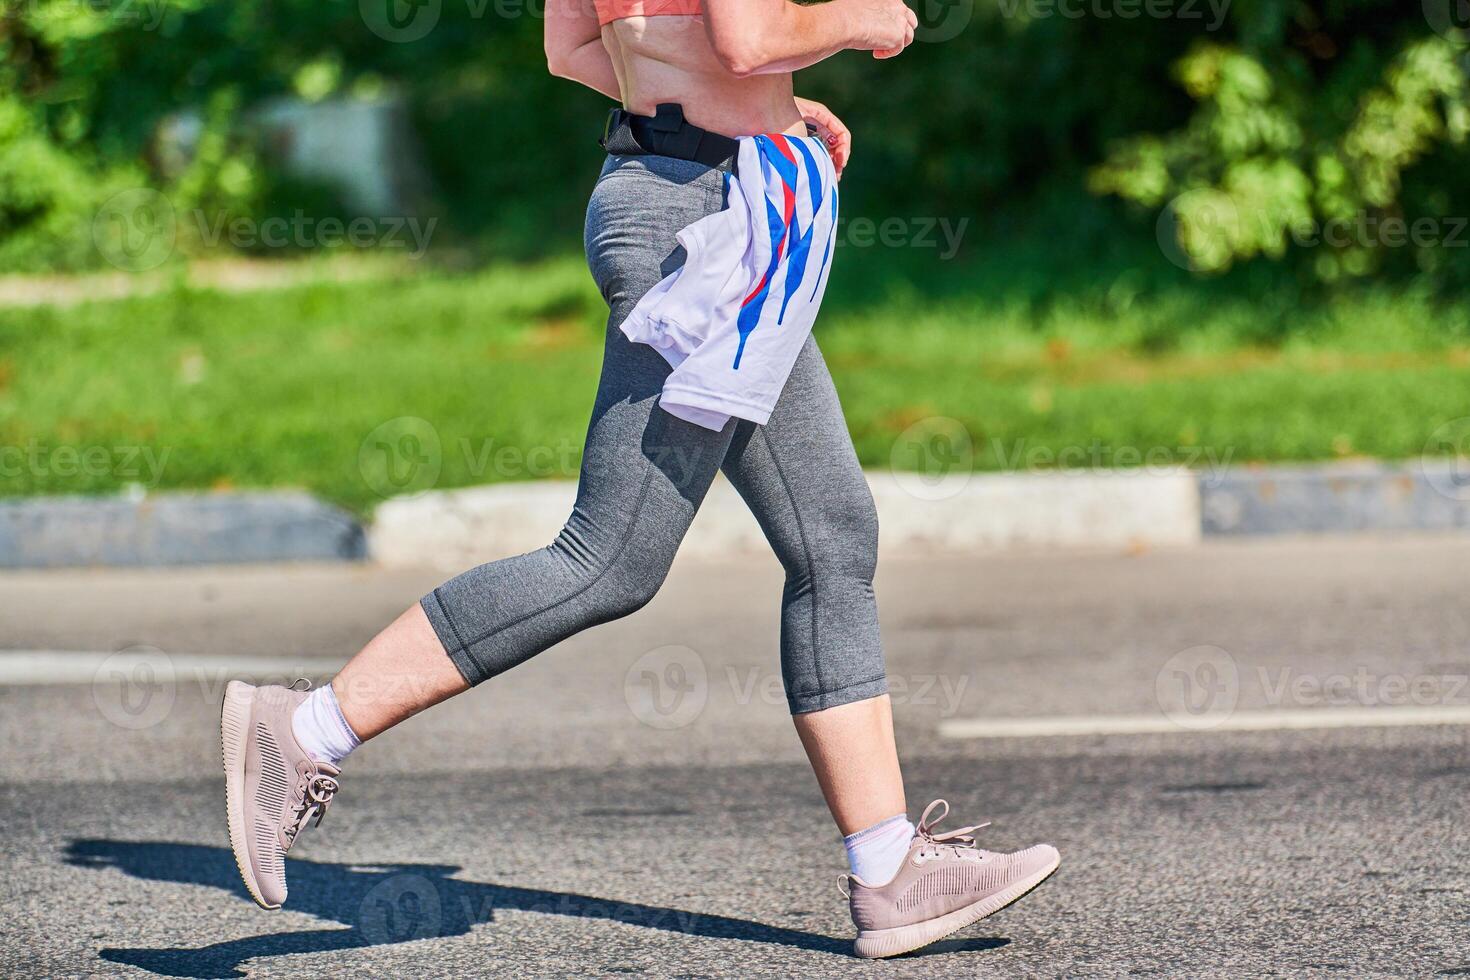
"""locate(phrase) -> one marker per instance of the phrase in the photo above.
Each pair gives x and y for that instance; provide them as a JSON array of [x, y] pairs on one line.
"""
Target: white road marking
[[90, 667], [1360, 716]]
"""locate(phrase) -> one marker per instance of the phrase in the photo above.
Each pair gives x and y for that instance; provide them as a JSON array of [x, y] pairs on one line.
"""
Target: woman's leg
[[401, 671], [643, 476], [801, 478], [852, 752], [909, 886]]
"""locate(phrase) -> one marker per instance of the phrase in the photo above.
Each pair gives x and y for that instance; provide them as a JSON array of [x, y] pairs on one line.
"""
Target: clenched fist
[[884, 27]]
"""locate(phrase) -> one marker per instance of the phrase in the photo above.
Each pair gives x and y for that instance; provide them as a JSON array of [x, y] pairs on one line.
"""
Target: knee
[[616, 563], [862, 528], [627, 593], [626, 583], [840, 543]]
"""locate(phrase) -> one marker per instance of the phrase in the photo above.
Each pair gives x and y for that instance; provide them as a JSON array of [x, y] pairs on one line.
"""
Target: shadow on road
[[398, 903]]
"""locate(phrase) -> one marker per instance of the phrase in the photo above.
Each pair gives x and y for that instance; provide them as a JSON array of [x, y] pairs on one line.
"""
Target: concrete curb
[[182, 529], [455, 529], [960, 513], [980, 512], [1430, 495]]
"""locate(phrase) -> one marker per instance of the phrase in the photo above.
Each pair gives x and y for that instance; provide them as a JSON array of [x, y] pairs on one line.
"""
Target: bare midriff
[[669, 59]]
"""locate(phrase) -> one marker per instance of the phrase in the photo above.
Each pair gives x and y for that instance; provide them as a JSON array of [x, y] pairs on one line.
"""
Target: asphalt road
[[635, 802]]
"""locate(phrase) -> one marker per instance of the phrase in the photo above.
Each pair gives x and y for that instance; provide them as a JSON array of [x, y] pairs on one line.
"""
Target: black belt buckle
[[609, 124]]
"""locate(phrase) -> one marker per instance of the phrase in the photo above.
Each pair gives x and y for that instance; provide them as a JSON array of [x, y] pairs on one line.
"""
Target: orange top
[[611, 10]]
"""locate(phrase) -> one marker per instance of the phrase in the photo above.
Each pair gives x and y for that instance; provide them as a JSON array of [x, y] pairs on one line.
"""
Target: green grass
[[199, 389]]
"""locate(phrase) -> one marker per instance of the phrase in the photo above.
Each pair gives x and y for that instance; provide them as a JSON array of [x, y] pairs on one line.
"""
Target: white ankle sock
[[875, 854], [320, 728]]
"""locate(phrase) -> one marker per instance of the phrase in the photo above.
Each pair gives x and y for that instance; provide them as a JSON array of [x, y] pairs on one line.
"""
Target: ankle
[[321, 729], [876, 853]]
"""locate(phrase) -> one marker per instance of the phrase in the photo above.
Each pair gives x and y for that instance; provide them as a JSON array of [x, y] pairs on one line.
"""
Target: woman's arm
[[756, 37], [574, 46]]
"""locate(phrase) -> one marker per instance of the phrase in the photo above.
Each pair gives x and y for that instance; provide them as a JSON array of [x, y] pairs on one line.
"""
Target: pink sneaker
[[944, 884], [272, 787]]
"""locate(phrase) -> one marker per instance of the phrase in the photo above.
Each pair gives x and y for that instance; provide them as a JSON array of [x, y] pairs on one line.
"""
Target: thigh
[[800, 474], [642, 468], [634, 454]]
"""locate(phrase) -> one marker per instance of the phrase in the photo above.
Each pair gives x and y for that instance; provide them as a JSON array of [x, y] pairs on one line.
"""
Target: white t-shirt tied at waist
[[733, 318]]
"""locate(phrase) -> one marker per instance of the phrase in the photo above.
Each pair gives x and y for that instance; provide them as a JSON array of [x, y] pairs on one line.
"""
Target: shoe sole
[[234, 728], [882, 943]]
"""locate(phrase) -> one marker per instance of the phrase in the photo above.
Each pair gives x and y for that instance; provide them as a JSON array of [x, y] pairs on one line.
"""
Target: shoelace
[[954, 839], [320, 789], [964, 837]]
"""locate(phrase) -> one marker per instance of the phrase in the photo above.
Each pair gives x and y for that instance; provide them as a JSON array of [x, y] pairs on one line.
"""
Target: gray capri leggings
[[644, 473]]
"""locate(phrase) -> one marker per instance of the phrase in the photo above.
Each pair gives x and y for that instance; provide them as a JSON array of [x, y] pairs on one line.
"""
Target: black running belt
[[667, 133]]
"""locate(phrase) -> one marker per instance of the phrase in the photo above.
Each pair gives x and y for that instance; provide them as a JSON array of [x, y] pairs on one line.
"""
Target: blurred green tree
[[1304, 132], [1246, 123]]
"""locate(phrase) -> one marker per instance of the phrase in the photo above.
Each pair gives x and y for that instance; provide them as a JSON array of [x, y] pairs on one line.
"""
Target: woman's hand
[[766, 37], [835, 136], [886, 26]]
